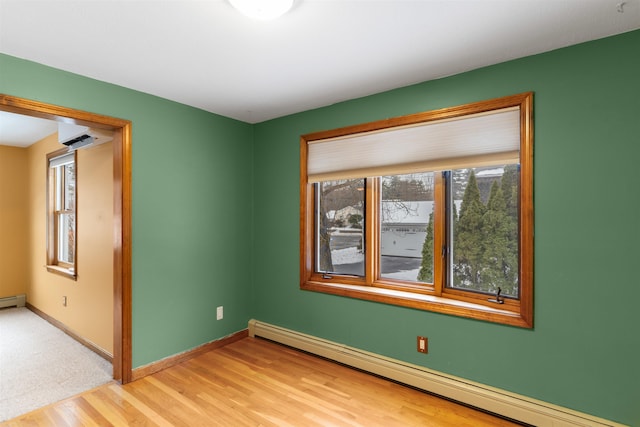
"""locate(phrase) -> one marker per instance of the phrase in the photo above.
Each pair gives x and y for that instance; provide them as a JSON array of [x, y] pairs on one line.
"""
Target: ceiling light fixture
[[263, 10]]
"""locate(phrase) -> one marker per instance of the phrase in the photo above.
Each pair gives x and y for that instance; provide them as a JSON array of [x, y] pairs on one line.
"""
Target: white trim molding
[[491, 399]]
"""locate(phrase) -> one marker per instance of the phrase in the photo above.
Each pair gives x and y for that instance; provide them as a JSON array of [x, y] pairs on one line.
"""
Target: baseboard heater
[[501, 402], [15, 301]]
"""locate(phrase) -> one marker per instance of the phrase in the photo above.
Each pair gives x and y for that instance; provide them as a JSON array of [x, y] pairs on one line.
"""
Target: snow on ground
[[347, 256], [354, 255], [410, 275]]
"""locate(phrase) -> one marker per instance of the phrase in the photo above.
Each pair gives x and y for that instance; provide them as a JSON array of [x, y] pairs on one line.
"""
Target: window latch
[[498, 299]]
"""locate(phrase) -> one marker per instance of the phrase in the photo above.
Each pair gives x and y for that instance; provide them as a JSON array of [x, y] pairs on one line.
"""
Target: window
[[61, 213], [432, 211]]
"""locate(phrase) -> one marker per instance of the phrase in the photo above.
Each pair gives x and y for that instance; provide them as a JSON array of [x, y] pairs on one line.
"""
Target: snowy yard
[[354, 256]]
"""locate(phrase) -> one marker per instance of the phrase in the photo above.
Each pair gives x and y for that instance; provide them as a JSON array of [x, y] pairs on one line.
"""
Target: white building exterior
[[404, 228]]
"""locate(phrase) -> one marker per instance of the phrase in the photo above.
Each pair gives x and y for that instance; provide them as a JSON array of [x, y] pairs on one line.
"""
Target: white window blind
[[483, 139], [62, 160]]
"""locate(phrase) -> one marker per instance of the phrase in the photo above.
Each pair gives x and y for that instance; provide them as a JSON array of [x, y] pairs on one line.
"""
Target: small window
[[432, 211], [61, 213]]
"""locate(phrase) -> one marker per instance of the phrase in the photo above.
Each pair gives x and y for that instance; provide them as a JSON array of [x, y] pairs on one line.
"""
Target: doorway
[[121, 216]]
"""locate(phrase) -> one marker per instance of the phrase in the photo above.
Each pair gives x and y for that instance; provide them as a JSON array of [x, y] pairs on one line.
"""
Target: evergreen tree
[[426, 268], [467, 245], [485, 238], [454, 208], [510, 189], [460, 178], [497, 259], [509, 184], [355, 220]]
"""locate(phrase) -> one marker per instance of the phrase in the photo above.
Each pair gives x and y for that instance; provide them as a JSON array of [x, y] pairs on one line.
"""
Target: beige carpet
[[40, 364]]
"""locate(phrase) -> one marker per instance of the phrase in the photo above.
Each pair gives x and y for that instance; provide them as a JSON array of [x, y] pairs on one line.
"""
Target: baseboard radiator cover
[[14, 301], [501, 402]]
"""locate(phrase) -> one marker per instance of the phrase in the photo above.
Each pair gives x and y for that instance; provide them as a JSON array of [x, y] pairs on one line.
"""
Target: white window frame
[[57, 207]]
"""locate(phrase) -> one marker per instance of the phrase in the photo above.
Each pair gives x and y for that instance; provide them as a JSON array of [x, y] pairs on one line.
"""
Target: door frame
[[122, 351]]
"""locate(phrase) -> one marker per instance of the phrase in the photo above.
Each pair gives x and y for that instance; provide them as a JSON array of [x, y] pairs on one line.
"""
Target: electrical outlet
[[219, 313], [423, 345], [64, 301]]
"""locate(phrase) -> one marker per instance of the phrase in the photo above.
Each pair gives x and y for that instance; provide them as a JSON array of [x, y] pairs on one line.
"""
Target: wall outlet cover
[[423, 345]]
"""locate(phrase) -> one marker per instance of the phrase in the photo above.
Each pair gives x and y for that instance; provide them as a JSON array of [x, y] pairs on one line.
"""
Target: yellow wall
[[89, 310], [14, 220]]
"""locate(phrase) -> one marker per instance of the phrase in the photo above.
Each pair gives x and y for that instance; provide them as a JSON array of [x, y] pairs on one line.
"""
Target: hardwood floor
[[254, 382]]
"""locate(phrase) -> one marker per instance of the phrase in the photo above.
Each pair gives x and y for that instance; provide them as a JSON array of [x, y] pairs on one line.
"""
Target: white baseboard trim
[[507, 404]]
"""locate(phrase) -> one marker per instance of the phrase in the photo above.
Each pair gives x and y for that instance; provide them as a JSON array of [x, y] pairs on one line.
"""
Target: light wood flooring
[[254, 382]]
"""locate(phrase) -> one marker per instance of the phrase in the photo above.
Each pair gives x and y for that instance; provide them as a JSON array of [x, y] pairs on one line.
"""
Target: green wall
[[583, 351], [191, 207], [208, 230]]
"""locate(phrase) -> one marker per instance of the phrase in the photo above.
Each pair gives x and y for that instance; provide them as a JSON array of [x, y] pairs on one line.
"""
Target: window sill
[[61, 271], [421, 302]]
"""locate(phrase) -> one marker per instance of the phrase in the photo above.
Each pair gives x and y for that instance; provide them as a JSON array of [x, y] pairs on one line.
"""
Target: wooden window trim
[[435, 298], [122, 247]]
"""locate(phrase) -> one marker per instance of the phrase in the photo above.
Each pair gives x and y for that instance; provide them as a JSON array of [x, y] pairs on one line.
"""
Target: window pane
[[406, 234], [484, 229], [69, 186], [66, 237], [59, 183], [339, 227]]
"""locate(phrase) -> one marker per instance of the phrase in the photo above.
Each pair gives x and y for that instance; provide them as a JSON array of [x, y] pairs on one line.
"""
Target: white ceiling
[[205, 54], [22, 131]]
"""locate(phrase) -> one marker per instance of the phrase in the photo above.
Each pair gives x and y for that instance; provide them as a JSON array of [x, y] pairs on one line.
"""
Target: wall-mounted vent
[[76, 136]]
